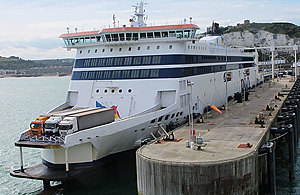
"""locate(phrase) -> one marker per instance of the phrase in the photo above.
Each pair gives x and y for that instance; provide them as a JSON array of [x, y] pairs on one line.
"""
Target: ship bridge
[[127, 35]]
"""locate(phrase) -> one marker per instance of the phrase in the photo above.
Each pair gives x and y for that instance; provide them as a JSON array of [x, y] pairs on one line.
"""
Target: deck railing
[[154, 108], [26, 136]]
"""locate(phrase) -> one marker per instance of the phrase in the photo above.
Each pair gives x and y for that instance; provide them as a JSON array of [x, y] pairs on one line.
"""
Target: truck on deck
[[52, 124], [37, 125], [85, 120]]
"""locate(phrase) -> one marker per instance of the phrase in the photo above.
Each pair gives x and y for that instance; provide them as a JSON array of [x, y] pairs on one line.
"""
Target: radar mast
[[139, 12]]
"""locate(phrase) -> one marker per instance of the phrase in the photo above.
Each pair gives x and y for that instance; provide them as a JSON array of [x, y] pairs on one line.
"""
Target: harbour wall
[[221, 167]]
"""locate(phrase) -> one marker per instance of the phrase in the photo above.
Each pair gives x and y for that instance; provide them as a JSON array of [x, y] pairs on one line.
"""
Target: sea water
[[23, 99]]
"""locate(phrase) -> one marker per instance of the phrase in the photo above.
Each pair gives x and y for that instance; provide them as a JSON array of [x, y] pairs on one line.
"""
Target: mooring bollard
[[291, 152], [269, 149]]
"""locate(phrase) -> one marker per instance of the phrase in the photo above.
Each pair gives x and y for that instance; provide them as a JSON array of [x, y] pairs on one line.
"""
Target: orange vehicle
[[37, 125]]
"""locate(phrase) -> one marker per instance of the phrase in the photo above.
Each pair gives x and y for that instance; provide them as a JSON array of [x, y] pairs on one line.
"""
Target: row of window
[[150, 73], [157, 60], [120, 49], [148, 35], [115, 74], [166, 117], [113, 91], [130, 36]]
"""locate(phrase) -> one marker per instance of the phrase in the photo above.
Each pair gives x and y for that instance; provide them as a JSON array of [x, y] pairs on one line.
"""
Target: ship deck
[[35, 144]]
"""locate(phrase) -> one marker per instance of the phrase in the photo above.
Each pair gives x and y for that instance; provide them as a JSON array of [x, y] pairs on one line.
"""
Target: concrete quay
[[225, 164]]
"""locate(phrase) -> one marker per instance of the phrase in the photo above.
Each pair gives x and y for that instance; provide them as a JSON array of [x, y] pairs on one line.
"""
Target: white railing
[[60, 107], [154, 108], [26, 136]]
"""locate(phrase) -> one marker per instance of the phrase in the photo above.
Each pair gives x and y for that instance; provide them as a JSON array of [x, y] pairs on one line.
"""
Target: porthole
[[129, 90], [80, 51], [105, 90], [148, 47], [97, 91], [157, 47], [103, 50], [129, 49], [143, 129], [139, 48], [112, 91], [170, 46], [167, 117], [135, 130], [181, 113], [89, 51], [120, 90], [177, 114], [96, 50], [111, 49], [160, 118], [120, 49], [153, 121]]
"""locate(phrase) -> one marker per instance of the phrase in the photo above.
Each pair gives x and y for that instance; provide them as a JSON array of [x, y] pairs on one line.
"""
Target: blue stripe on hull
[[152, 73], [155, 60]]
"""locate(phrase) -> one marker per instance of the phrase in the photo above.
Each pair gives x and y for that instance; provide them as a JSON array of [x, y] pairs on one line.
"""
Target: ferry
[[152, 77]]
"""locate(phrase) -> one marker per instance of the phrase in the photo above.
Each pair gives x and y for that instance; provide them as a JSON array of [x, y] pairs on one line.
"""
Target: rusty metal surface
[[42, 172]]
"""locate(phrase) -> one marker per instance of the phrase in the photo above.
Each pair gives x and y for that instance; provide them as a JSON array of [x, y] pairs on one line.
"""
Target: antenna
[[68, 30], [114, 20], [191, 20], [76, 29]]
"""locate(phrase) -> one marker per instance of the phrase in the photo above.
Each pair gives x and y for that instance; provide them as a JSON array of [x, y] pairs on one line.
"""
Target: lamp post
[[190, 84], [226, 105], [244, 86], [273, 62], [296, 68]]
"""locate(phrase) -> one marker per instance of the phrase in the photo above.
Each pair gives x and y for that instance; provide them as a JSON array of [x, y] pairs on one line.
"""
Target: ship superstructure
[[142, 73]]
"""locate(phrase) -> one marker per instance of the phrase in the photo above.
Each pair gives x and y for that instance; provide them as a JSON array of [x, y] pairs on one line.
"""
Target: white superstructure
[[142, 73]]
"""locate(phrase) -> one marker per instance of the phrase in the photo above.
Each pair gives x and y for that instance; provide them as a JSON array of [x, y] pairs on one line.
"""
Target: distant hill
[[16, 63], [292, 30]]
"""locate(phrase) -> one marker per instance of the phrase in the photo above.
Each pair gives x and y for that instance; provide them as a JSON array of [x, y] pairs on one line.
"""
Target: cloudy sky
[[30, 28]]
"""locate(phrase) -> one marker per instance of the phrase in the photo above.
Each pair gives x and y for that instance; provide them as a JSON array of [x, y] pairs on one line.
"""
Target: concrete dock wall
[[239, 176], [223, 165]]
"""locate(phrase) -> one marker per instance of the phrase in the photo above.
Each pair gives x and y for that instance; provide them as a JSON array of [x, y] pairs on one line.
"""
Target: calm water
[[22, 99]]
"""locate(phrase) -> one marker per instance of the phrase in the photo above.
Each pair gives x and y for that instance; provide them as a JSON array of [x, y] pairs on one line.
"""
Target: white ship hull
[[89, 146], [142, 73]]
